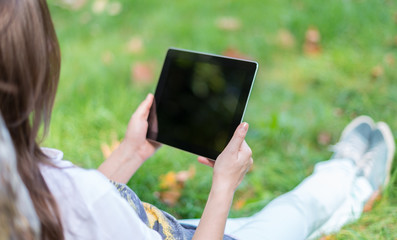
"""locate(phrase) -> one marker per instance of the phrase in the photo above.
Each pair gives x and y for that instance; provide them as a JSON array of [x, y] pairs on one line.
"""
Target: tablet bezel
[[251, 69]]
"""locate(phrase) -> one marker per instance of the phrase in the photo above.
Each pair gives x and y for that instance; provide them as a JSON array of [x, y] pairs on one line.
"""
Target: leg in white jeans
[[332, 196]]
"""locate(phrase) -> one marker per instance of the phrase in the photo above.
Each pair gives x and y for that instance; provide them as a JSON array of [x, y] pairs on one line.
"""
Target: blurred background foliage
[[321, 63]]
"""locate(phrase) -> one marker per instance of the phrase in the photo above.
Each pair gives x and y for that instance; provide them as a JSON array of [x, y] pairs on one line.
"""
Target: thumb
[[238, 137], [144, 108]]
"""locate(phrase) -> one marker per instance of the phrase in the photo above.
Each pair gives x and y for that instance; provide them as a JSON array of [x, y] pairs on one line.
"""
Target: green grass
[[295, 97]]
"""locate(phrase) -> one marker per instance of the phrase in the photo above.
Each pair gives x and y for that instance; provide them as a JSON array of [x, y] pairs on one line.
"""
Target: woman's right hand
[[229, 170], [233, 163]]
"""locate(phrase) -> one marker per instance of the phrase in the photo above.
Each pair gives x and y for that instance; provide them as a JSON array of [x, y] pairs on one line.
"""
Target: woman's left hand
[[134, 150], [135, 137]]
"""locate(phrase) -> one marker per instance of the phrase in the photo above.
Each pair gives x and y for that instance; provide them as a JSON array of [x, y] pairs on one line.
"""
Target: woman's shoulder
[[64, 176]]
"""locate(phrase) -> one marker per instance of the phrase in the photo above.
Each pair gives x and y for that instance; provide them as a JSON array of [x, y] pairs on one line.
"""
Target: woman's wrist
[[222, 189], [129, 153], [121, 164]]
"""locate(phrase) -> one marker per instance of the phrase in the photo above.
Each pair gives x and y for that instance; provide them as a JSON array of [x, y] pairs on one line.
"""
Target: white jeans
[[326, 200]]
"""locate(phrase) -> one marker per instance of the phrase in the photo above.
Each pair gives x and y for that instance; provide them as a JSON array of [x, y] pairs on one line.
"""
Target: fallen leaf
[[285, 38], [375, 197], [239, 204], [168, 180], [228, 23], [142, 72], [183, 176], [377, 71], [172, 183], [114, 8], [170, 197], [135, 45], [99, 6], [108, 149], [312, 46], [234, 53], [324, 138]]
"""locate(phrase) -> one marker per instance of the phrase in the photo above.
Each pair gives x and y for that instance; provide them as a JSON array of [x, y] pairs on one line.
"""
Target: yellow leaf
[[168, 180], [239, 204]]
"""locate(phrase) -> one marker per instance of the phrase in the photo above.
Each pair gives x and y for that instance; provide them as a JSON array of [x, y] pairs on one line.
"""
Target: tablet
[[200, 100]]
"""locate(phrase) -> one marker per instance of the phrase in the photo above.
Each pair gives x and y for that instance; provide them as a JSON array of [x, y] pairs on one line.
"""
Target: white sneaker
[[377, 161], [355, 139]]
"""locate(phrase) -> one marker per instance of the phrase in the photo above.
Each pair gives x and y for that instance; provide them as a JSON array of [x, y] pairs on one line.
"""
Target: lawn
[[320, 65]]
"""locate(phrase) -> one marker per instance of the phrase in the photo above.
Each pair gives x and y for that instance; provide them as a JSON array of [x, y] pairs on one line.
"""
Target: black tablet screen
[[199, 101]]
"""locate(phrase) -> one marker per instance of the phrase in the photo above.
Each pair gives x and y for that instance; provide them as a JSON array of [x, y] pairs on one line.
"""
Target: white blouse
[[90, 206]]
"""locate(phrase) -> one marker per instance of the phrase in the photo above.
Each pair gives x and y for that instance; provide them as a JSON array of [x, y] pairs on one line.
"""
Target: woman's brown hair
[[29, 74]]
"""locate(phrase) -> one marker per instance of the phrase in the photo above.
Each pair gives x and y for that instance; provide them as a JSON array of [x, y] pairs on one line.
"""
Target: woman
[[29, 73], [74, 203]]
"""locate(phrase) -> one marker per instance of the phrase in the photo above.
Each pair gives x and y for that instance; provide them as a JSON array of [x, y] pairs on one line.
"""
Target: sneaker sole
[[389, 139], [357, 121]]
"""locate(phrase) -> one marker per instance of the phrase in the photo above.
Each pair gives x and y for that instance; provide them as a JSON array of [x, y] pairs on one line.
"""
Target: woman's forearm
[[121, 164], [213, 221]]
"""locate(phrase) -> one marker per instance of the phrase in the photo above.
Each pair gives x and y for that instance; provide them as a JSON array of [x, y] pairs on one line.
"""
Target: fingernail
[[245, 126]]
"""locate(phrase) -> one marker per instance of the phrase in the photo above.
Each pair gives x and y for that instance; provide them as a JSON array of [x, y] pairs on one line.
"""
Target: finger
[[205, 161], [238, 137], [245, 149], [144, 108]]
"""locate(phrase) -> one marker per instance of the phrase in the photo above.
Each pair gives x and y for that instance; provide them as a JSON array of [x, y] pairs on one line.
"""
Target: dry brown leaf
[[312, 47], [377, 71], [234, 53], [375, 197], [170, 197], [228, 23], [108, 149], [285, 38], [324, 138], [183, 176], [142, 72], [135, 45]]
